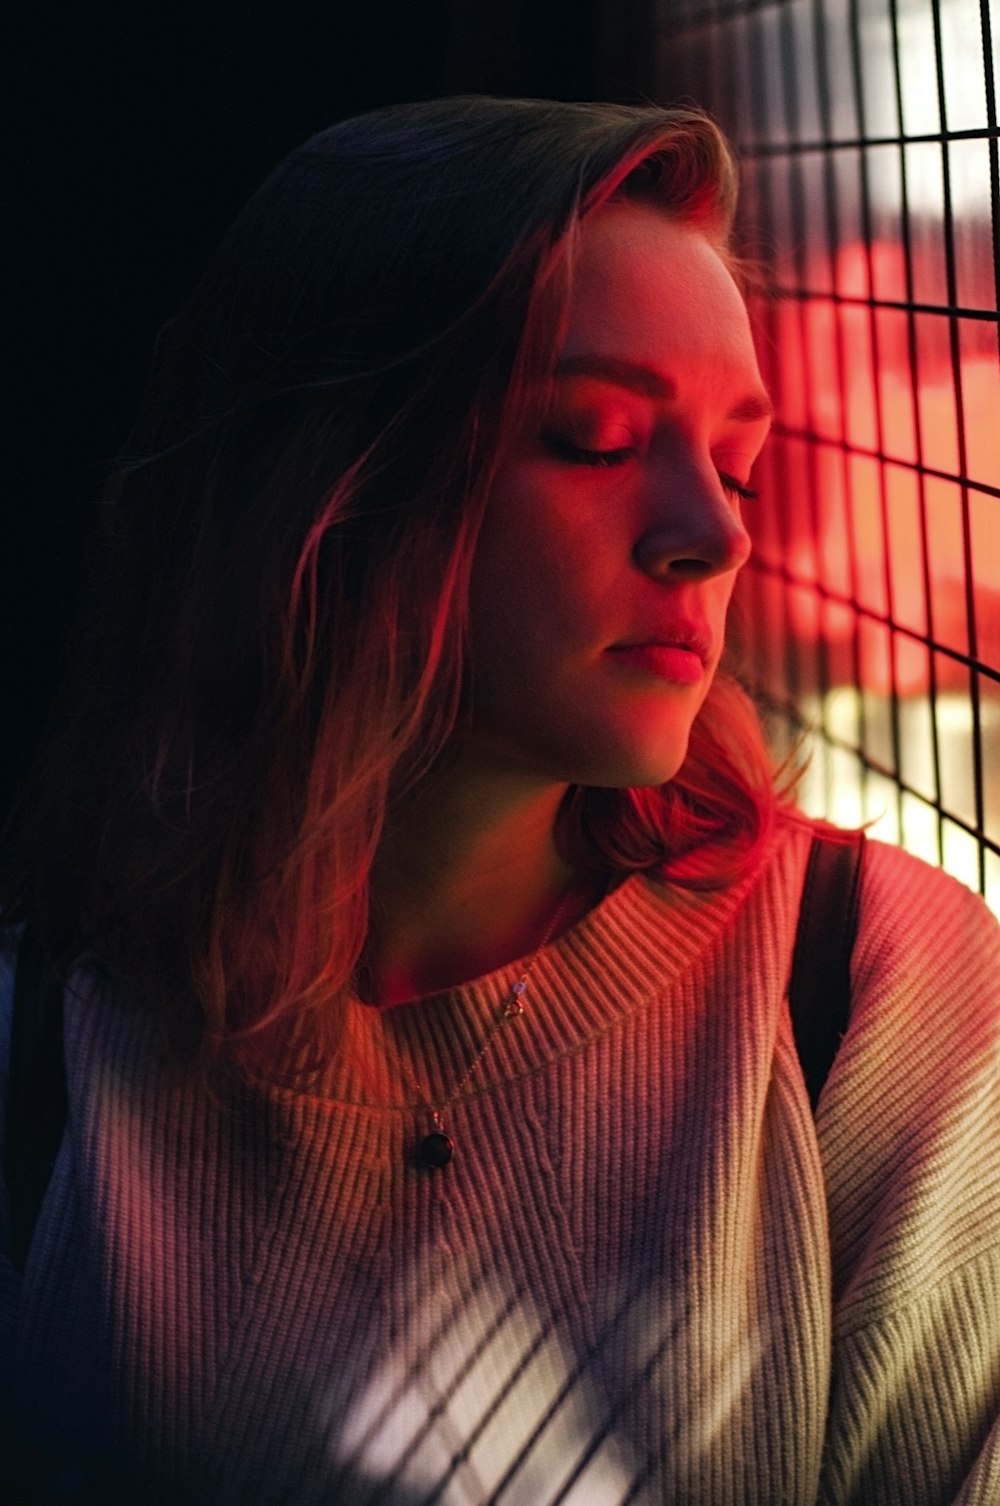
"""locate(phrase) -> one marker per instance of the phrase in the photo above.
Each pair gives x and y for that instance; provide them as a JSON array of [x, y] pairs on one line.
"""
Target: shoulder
[[911, 1109], [925, 980], [923, 936]]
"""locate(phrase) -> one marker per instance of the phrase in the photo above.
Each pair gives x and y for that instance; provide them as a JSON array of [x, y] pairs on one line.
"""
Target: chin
[[606, 750], [637, 774], [622, 767]]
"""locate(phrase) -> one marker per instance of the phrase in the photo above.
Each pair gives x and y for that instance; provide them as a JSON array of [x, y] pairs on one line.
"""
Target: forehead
[[645, 286]]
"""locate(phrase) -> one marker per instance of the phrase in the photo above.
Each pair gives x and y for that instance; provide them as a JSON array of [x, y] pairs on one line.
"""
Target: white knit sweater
[[648, 1276]]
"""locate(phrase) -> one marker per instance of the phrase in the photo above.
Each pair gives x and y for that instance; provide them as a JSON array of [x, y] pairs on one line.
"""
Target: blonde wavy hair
[[272, 645]]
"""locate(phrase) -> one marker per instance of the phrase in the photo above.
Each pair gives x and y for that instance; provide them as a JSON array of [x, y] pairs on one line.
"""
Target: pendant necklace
[[436, 1148]]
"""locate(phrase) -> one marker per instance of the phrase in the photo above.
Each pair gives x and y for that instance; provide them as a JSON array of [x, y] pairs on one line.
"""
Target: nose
[[695, 530]]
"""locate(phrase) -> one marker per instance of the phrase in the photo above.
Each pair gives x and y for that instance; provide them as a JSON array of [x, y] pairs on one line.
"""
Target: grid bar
[[886, 458], [792, 713], [868, 134], [827, 144], [839, 598], [853, 300]]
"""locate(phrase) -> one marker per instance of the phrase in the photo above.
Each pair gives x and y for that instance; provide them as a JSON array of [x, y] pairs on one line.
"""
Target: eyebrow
[[652, 383]]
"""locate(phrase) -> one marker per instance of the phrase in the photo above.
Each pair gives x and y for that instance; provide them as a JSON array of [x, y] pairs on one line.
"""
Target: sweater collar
[[634, 944]]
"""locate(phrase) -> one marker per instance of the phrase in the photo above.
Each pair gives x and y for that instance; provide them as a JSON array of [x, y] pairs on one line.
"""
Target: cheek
[[543, 564], [722, 593], [553, 585]]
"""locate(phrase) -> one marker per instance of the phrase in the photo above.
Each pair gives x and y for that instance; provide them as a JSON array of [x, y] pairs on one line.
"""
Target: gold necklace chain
[[436, 1148]]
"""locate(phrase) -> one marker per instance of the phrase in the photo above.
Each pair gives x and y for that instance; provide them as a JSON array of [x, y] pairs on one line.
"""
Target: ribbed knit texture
[[647, 1276]]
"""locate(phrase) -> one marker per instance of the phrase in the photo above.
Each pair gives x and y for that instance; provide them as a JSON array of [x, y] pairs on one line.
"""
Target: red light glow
[[850, 514]]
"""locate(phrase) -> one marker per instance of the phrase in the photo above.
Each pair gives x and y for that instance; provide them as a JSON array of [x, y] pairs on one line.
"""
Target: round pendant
[[435, 1150]]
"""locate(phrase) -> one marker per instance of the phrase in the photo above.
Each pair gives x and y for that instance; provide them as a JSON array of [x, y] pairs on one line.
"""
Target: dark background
[[139, 130]]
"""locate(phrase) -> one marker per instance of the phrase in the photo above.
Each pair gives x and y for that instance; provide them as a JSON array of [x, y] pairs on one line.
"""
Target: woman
[[435, 1126]]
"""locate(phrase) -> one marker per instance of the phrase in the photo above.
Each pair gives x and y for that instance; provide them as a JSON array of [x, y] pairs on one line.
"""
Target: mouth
[[680, 657]]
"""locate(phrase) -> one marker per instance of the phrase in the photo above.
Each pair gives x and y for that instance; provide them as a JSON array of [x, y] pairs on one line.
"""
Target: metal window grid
[[867, 134]]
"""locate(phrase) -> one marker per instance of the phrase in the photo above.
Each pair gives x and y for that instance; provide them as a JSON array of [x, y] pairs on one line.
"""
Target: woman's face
[[613, 535]]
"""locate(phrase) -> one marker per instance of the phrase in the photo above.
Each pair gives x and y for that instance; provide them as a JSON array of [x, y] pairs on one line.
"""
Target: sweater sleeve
[[909, 1129]]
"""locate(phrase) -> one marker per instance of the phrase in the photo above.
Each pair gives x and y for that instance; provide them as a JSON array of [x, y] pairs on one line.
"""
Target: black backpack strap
[[36, 1091], [820, 989]]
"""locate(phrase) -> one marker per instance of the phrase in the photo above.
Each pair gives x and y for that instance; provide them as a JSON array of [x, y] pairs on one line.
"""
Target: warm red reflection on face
[[617, 526]]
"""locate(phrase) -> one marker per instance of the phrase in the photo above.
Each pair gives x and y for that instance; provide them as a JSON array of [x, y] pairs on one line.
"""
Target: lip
[[690, 636], [675, 663], [679, 654]]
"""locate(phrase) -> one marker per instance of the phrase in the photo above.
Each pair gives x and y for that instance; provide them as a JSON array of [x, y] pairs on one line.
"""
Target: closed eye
[[737, 489], [577, 455]]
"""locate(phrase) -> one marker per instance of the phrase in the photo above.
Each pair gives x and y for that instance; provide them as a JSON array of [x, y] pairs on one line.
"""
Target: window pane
[[834, 548], [895, 384], [852, 258], [925, 207], [992, 889], [807, 98], [946, 549], [918, 79], [969, 176], [788, 378], [876, 679], [785, 214], [836, 48], [861, 425], [936, 393], [962, 55], [865, 507], [917, 750], [811, 168], [981, 401], [955, 738], [747, 90], [905, 553], [961, 854], [989, 716], [821, 368], [984, 521], [920, 827], [765, 66], [878, 82], [882, 807]]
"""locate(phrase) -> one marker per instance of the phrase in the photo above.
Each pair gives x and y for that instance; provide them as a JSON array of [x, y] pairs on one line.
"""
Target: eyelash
[[612, 458]]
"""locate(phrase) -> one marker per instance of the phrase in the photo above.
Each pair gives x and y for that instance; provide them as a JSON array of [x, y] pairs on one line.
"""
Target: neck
[[467, 878]]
